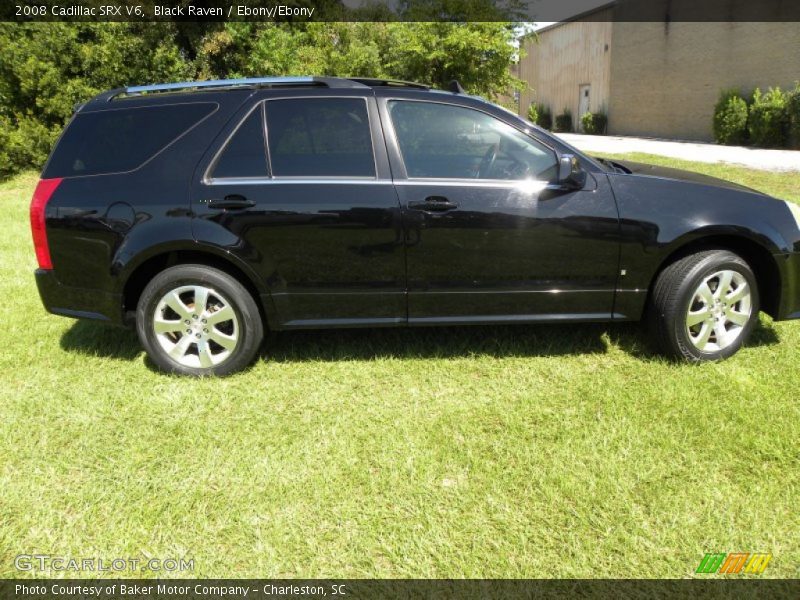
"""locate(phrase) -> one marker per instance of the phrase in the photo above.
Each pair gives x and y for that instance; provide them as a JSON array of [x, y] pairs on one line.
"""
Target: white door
[[584, 105]]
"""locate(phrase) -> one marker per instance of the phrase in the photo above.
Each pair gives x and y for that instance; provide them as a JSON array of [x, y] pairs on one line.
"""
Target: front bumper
[[78, 303], [788, 305]]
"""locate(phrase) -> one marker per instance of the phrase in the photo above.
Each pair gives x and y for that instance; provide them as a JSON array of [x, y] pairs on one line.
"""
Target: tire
[[220, 340], [687, 306]]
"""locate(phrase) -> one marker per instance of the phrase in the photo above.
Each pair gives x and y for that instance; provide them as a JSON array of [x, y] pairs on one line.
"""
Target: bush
[[24, 145], [768, 122], [594, 123], [540, 114], [6, 168], [730, 119], [564, 122], [544, 117], [533, 113], [793, 110]]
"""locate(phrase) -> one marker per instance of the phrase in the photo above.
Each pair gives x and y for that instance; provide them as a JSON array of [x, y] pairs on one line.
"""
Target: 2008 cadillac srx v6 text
[[206, 212]]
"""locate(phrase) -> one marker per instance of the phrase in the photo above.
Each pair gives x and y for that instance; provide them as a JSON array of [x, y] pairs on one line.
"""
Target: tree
[[48, 68]]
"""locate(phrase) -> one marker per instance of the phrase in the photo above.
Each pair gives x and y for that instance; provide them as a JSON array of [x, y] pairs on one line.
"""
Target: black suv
[[205, 212]]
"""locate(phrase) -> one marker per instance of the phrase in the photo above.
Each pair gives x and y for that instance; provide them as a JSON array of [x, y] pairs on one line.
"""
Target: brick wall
[[665, 79]]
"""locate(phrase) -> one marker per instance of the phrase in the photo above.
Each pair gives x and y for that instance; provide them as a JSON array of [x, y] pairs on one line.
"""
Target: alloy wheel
[[720, 308], [196, 326]]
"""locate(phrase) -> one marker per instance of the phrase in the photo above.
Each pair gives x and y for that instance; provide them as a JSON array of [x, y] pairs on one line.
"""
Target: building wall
[[665, 79], [565, 57]]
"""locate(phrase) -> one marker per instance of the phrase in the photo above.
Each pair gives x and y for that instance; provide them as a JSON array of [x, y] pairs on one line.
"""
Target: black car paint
[[344, 253]]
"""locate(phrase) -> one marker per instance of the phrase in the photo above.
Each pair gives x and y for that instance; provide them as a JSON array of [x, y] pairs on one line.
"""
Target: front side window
[[319, 137], [453, 142], [245, 153]]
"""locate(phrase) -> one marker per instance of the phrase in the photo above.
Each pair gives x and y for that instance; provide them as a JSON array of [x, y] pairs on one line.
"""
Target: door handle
[[230, 202], [433, 204]]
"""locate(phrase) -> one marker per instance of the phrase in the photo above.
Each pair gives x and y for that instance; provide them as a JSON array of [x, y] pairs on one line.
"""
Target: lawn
[[549, 451]]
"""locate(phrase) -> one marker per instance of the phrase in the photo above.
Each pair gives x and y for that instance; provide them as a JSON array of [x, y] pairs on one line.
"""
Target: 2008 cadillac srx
[[206, 212]]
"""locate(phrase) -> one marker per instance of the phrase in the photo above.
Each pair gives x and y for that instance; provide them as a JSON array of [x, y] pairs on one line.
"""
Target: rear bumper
[[78, 303]]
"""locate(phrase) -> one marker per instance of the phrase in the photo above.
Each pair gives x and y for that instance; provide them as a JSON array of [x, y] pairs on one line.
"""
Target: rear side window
[[245, 154], [119, 140], [319, 137]]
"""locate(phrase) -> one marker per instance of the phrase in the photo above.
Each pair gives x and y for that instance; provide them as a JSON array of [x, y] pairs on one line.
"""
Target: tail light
[[44, 190]]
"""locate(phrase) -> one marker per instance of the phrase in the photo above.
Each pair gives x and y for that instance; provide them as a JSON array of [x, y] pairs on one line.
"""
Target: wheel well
[[153, 266], [760, 260]]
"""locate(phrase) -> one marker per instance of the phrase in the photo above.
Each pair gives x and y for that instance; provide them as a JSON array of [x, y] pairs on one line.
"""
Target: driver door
[[488, 236]]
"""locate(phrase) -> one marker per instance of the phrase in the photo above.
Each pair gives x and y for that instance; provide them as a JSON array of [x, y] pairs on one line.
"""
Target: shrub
[[540, 114], [594, 123], [24, 145], [768, 122], [564, 122], [544, 117], [533, 113], [793, 110], [730, 119], [6, 168]]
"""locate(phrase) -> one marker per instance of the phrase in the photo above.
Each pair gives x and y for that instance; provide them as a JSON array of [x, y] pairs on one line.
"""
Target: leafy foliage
[[594, 123], [768, 122], [533, 113], [47, 68], [564, 122], [730, 119], [544, 117], [793, 110]]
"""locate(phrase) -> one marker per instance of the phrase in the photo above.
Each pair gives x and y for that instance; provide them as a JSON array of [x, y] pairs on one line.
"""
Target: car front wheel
[[197, 320], [704, 306]]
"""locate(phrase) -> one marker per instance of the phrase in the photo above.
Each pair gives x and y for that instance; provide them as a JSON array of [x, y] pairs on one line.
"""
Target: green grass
[[552, 451]]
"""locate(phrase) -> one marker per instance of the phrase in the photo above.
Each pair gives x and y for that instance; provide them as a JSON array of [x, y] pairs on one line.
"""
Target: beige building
[[650, 78]]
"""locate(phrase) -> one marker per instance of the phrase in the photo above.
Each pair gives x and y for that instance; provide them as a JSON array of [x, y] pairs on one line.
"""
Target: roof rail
[[221, 83], [369, 81], [331, 82]]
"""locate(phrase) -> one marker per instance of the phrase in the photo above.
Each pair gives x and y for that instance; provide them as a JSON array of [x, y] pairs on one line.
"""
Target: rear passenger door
[[300, 189]]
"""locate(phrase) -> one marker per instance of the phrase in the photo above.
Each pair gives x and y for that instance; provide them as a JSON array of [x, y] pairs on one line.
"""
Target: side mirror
[[570, 174]]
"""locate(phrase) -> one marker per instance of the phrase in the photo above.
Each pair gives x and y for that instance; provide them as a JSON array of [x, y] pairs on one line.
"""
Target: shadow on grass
[[96, 339], [435, 342]]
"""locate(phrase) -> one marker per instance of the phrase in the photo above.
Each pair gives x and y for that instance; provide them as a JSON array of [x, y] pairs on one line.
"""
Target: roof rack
[[223, 84], [371, 82], [331, 82], [256, 82]]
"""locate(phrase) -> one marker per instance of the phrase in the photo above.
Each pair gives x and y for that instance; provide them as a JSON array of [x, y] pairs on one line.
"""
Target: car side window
[[454, 142], [320, 137], [245, 153]]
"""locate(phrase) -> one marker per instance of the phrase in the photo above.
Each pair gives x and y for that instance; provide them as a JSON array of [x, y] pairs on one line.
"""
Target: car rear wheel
[[197, 320], [704, 306]]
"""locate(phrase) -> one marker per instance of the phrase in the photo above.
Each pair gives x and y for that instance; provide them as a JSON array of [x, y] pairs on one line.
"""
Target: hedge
[[768, 122], [564, 122], [594, 123], [730, 119]]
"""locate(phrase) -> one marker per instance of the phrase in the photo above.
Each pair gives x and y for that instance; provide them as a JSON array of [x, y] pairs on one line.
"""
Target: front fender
[[659, 217]]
